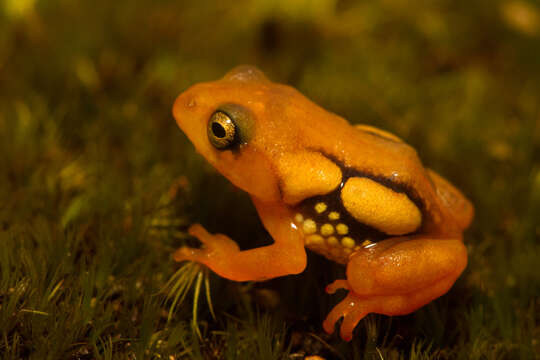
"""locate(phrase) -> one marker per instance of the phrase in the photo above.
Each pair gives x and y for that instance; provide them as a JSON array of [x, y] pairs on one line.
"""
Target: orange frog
[[355, 194]]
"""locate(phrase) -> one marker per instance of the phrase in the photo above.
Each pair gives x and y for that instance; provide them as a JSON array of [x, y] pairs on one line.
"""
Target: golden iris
[[221, 130]]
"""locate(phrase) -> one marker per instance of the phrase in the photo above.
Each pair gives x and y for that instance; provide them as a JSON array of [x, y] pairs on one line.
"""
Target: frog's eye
[[221, 130], [230, 127]]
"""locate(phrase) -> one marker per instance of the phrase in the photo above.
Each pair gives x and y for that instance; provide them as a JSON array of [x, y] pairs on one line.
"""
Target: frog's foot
[[353, 309], [214, 246]]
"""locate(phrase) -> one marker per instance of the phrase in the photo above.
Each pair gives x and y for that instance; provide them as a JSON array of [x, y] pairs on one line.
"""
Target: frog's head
[[263, 136], [232, 123]]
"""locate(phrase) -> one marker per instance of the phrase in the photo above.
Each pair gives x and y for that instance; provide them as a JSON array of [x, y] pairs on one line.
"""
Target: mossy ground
[[97, 184]]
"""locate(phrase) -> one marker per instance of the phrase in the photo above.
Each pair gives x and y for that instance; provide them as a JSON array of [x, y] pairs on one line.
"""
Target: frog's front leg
[[396, 277], [223, 256]]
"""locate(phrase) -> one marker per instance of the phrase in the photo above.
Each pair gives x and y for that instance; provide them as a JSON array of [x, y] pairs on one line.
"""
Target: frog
[[355, 194]]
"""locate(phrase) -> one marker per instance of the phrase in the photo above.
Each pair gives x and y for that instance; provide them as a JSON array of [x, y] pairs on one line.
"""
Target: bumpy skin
[[357, 195]]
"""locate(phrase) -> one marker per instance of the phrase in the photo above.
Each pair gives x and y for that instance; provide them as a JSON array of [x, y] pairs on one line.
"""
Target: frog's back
[[364, 151]]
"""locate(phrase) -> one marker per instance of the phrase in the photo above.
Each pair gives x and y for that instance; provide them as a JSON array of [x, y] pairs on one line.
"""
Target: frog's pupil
[[218, 130]]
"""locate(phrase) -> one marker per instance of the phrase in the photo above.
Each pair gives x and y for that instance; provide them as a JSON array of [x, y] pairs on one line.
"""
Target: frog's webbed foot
[[214, 246]]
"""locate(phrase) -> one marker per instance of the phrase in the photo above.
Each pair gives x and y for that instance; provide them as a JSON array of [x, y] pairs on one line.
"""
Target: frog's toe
[[352, 312], [349, 323], [337, 312], [186, 253], [330, 322], [198, 231], [336, 285], [216, 243]]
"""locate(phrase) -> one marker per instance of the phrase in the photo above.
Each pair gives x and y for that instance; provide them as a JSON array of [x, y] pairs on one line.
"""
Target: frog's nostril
[[191, 103]]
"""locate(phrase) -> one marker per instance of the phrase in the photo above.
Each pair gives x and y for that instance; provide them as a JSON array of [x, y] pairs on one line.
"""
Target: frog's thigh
[[376, 205], [414, 270]]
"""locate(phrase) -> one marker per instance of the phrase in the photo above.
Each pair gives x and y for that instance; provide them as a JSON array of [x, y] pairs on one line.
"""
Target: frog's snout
[[183, 103]]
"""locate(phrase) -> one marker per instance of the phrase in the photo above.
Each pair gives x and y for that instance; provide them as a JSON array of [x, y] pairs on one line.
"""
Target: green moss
[[98, 185]]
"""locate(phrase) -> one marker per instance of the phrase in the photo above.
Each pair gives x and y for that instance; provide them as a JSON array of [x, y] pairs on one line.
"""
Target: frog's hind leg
[[396, 277]]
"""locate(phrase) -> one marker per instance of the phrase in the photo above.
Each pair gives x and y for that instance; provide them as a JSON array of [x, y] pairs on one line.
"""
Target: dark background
[[97, 184]]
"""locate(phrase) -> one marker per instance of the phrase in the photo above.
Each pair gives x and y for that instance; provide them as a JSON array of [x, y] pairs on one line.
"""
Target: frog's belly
[[330, 230]]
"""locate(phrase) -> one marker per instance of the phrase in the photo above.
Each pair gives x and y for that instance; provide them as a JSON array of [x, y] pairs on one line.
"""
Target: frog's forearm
[[222, 255], [261, 264]]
